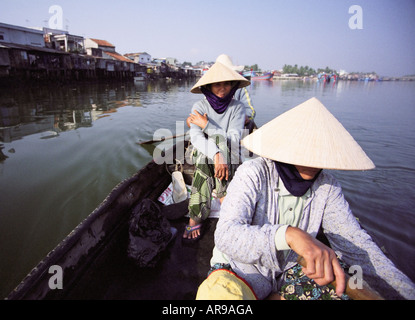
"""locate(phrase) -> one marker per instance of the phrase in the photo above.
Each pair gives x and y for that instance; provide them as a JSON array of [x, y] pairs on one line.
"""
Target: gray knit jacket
[[248, 223]]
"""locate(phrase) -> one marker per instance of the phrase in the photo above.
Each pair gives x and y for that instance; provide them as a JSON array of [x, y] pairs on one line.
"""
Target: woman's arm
[[356, 248], [198, 135]]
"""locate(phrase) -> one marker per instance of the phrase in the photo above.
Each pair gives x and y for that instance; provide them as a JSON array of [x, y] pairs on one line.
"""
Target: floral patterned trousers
[[297, 286]]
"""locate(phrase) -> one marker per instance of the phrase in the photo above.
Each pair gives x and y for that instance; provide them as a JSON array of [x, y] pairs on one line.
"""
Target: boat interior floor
[[177, 275]]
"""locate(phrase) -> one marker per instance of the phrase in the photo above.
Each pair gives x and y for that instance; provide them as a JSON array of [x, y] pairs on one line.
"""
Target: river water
[[63, 149]]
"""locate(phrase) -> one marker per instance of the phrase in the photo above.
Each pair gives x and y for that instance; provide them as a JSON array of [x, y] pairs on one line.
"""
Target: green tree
[[254, 67]]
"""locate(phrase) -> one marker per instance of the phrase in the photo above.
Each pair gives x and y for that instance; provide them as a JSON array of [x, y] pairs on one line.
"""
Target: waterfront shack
[[23, 53], [63, 41], [33, 55], [20, 35], [28, 55], [99, 48], [139, 57]]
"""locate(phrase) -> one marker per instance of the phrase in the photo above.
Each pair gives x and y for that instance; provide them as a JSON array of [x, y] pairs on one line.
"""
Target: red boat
[[265, 76], [254, 76]]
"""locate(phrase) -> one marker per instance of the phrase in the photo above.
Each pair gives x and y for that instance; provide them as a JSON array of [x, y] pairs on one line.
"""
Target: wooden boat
[[139, 77], [93, 257], [265, 76], [326, 78], [254, 76]]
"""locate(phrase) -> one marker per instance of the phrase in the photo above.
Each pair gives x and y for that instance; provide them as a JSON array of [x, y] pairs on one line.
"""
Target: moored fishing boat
[[265, 76], [326, 78], [255, 76], [139, 77]]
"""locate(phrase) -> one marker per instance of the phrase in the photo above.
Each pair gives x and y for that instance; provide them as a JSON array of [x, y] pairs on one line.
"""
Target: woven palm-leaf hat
[[227, 61], [219, 73], [308, 135], [223, 284]]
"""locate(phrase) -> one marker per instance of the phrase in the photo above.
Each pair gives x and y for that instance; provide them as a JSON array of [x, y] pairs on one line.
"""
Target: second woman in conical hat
[[278, 203], [216, 124]]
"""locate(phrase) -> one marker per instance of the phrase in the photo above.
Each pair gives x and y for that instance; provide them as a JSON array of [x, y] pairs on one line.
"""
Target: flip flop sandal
[[188, 229]]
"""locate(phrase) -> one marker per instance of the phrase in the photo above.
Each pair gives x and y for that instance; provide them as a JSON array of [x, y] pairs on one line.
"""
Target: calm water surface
[[62, 150]]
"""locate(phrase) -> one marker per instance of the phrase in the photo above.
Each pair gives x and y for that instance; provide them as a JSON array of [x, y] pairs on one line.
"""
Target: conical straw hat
[[219, 73], [308, 135], [227, 61]]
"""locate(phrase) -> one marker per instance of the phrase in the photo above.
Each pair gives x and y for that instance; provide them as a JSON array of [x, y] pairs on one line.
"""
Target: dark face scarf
[[219, 104], [292, 179]]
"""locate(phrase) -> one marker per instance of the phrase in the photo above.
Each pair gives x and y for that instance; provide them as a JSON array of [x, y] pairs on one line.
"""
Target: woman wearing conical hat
[[242, 94], [278, 202], [216, 126]]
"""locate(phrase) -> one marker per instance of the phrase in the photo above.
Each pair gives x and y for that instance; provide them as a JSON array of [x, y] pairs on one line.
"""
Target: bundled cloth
[[149, 234]]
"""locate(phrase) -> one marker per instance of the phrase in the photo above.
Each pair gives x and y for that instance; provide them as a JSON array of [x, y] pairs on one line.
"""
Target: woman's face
[[307, 173], [221, 89]]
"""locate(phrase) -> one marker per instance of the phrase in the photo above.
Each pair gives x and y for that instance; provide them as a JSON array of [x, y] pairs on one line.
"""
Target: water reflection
[[50, 110], [288, 86]]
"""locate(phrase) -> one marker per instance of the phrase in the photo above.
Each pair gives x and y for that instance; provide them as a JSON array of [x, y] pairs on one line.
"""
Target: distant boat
[[254, 76], [326, 78], [265, 76], [139, 77]]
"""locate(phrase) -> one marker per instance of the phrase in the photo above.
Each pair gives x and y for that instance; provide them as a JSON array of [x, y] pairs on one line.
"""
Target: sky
[[379, 37]]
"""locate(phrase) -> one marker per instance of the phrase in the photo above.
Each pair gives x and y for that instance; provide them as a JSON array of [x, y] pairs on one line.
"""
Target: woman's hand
[[221, 168], [198, 119], [322, 263]]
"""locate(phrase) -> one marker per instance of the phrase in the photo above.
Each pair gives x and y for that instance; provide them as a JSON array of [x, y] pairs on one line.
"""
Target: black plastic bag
[[149, 234]]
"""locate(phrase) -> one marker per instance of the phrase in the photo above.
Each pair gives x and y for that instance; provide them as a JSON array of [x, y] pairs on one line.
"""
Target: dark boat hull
[[94, 258]]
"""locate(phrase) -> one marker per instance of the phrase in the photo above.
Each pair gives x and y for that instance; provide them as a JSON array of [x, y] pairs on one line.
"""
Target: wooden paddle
[[365, 293], [163, 139]]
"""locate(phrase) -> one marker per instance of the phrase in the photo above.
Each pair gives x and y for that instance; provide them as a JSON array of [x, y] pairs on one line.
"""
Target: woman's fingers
[[319, 261], [325, 270], [340, 278], [221, 172], [198, 119], [221, 168]]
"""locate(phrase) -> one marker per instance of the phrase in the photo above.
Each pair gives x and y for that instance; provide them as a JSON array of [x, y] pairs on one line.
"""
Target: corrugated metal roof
[[30, 48], [11, 26]]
